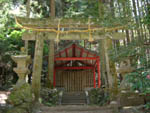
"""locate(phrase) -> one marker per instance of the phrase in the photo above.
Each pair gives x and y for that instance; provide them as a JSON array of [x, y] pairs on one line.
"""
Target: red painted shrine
[[76, 68]]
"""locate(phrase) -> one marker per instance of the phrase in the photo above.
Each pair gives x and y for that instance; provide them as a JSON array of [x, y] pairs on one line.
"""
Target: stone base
[[20, 99], [127, 98]]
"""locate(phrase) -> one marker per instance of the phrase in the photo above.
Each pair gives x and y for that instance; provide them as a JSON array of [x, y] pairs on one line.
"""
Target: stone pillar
[[50, 64], [20, 98], [37, 66], [103, 62], [110, 79], [22, 67], [111, 70]]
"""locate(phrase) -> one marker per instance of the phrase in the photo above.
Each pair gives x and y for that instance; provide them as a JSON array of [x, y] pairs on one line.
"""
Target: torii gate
[[60, 29]]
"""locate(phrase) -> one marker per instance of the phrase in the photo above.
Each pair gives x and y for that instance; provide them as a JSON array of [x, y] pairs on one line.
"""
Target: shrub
[[49, 97], [98, 97]]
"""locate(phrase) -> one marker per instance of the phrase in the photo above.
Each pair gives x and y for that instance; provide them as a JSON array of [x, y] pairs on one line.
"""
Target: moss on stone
[[20, 99], [17, 110]]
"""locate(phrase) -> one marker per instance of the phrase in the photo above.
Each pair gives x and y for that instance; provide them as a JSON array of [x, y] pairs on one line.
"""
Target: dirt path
[[75, 109]]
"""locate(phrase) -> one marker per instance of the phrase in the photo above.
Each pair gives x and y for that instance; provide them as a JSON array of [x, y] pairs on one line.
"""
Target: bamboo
[[136, 19]]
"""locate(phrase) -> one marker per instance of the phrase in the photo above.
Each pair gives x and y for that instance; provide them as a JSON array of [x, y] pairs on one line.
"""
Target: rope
[[71, 31], [58, 32]]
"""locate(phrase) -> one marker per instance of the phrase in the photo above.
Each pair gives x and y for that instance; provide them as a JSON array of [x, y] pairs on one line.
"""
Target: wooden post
[[54, 78], [37, 67], [94, 78], [99, 74], [50, 64]]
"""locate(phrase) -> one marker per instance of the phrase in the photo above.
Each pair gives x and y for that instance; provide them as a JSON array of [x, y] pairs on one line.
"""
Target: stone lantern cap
[[22, 60]]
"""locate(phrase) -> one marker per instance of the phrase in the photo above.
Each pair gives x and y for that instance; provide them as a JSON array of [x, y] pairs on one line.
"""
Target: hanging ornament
[[90, 33], [57, 40]]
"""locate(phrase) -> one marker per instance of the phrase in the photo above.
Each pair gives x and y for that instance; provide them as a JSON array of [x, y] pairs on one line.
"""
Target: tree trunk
[[102, 61], [28, 15], [136, 18], [52, 7], [112, 7], [101, 9], [125, 16], [51, 51], [132, 34], [101, 47], [140, 24], [28, 8]]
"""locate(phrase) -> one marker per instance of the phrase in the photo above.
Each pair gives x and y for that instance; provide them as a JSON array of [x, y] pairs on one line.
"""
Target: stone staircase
[[73, 98]]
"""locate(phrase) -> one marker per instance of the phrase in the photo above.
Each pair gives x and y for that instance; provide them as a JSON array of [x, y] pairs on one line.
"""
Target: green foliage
[[147, 106], [139, 80], [147, 16], [135, 51], [90, 9], [10, 40], [49, 97], [10, 44], [45, 49], [82, 8], [98, 97]]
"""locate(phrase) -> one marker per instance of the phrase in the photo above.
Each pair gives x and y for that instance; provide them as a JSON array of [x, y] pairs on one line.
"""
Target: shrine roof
[[76, 51]]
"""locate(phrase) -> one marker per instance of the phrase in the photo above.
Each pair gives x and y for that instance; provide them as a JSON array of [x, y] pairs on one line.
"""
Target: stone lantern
[[22, 66]]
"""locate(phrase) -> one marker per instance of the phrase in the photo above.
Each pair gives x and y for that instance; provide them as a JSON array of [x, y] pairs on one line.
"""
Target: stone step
[[74, 94], [73, 103], [73, 98]]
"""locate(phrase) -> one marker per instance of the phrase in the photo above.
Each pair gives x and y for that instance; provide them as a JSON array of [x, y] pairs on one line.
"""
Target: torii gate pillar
[[50, 64], [37, 67]]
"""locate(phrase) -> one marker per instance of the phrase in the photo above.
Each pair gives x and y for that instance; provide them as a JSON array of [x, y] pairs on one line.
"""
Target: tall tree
[[28, 15], [51, 50], [52, 8], [102, 50], [136, 18]]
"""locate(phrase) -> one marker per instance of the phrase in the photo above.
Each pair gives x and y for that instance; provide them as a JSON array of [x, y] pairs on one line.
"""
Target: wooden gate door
[[74, 81]]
